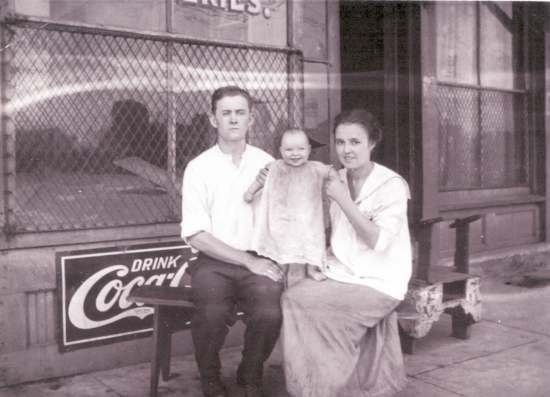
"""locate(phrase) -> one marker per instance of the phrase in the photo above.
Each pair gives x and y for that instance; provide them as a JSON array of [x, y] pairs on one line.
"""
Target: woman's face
[[353, 146]]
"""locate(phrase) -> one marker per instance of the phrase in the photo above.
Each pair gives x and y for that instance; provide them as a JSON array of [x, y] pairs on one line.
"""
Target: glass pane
[[459, 138], [497, 45], [485, 151], [502, 139], [456, 42], [98, 139], [143, 14]]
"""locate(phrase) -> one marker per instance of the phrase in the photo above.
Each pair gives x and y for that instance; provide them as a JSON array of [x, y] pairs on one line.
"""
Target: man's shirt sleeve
[[195, 214]]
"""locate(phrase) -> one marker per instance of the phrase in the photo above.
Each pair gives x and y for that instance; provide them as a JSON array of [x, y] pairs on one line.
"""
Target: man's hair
[[229, 90], [365, 119]]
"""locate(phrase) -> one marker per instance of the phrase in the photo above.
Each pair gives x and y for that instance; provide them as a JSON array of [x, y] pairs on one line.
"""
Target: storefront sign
[[93, 287], [247, 21], [251, 7]]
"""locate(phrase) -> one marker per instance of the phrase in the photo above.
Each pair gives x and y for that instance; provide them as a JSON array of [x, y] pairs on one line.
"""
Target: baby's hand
[[315, 273], [332, 173], [248, 197], [262, 175], [336, 189]]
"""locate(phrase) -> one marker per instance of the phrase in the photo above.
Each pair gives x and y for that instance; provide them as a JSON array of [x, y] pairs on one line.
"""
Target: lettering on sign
[[251, 7], [94, 288]]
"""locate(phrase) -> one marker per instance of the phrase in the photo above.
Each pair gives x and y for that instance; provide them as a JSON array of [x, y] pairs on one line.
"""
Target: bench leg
[[159, 335], [468, 312], [461, 323], [166, 354], [407, 342]]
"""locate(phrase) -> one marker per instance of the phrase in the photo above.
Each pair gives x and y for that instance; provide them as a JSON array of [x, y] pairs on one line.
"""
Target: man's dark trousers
[[217, 288]]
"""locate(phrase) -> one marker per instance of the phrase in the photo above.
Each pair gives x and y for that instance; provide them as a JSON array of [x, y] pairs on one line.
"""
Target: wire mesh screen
[[105, 122], [483, 138]]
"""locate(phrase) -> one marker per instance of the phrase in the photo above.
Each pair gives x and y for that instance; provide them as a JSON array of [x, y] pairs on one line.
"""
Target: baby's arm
[[257, 185], [326, 171], [252, 190]]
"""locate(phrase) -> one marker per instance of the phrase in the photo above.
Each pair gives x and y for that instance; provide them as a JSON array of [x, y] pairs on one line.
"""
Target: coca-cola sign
[[93, 287]]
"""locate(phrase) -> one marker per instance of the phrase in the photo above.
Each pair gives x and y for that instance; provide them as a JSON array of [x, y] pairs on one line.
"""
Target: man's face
[[232, 118]]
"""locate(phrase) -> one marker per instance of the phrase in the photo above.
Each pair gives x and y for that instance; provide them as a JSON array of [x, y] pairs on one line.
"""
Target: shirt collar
[[229, 157], [376, 178]]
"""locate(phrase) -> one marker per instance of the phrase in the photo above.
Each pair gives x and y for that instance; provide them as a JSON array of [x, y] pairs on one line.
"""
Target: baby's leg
[[295, 273]]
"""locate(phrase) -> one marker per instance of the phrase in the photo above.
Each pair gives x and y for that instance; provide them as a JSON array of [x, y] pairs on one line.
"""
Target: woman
[[340, 335]]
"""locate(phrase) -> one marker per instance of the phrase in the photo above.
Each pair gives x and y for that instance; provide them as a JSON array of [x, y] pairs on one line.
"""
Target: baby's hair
[[294, 131], [290, 131]]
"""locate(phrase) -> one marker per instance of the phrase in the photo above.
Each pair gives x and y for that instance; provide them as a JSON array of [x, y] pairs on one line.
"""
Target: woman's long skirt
[[340, 340]]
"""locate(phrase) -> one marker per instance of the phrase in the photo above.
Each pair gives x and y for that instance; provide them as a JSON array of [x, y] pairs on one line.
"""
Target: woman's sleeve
[[390, 211], [195, 216]]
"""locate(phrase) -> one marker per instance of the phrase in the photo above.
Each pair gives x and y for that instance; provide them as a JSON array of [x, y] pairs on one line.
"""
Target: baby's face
[[295, 149]]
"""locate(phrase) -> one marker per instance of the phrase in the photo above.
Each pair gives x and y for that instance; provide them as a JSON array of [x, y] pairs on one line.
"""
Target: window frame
[[465, 197]]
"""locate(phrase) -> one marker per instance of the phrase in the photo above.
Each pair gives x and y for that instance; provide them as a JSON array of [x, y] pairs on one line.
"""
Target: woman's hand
[[315, 273], [336, 189]]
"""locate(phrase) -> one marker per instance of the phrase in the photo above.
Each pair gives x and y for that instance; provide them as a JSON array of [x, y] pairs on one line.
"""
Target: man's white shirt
[[212, 195]]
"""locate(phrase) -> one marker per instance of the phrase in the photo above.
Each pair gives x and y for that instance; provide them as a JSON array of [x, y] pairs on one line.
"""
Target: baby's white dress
[[288, 224]]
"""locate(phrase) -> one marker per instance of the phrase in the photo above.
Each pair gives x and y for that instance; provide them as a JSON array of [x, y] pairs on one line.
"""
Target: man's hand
[[266, 267], [315, 273]]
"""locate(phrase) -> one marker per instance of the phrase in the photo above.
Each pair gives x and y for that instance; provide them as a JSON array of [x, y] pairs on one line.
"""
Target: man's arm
[[213, 247]]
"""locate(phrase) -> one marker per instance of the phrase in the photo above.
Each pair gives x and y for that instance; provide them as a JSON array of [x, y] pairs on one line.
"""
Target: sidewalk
[[507, 355]]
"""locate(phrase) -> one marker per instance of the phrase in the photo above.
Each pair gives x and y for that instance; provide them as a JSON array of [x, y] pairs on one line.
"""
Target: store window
[[481, 95], [103, 123]]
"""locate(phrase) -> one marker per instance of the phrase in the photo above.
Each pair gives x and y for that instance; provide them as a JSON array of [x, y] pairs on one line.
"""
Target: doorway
[[380, 65]]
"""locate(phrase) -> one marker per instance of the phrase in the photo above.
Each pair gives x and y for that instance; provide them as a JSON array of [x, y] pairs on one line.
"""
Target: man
[[218, 223]]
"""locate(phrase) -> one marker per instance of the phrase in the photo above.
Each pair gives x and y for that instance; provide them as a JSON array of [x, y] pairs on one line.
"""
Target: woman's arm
[[364, 226]]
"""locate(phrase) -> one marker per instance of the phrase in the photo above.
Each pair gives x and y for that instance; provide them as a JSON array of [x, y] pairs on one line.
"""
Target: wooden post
[[424, 237], [430, 122], [462, 242]]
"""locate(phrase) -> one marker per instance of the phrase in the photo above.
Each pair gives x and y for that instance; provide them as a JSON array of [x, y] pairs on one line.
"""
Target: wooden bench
[[173, 309], [433, 290], [165, 300]]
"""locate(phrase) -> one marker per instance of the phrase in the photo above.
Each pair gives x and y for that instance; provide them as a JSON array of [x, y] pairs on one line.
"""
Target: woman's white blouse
[[387, 268]]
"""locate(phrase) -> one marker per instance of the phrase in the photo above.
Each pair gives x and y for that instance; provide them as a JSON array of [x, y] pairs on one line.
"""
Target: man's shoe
[[253, 391], [213, 388]]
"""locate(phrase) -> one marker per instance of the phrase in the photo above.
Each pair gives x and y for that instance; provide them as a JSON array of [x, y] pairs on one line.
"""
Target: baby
[[289, 226]]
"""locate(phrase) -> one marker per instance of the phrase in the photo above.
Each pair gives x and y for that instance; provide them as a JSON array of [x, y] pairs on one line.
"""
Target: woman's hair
[[365, 119]]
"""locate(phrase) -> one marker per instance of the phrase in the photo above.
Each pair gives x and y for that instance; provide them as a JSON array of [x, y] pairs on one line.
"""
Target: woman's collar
[[371, 183]]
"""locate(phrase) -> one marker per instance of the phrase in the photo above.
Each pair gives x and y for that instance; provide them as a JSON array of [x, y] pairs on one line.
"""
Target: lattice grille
[[483, 138], [105, 122]]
